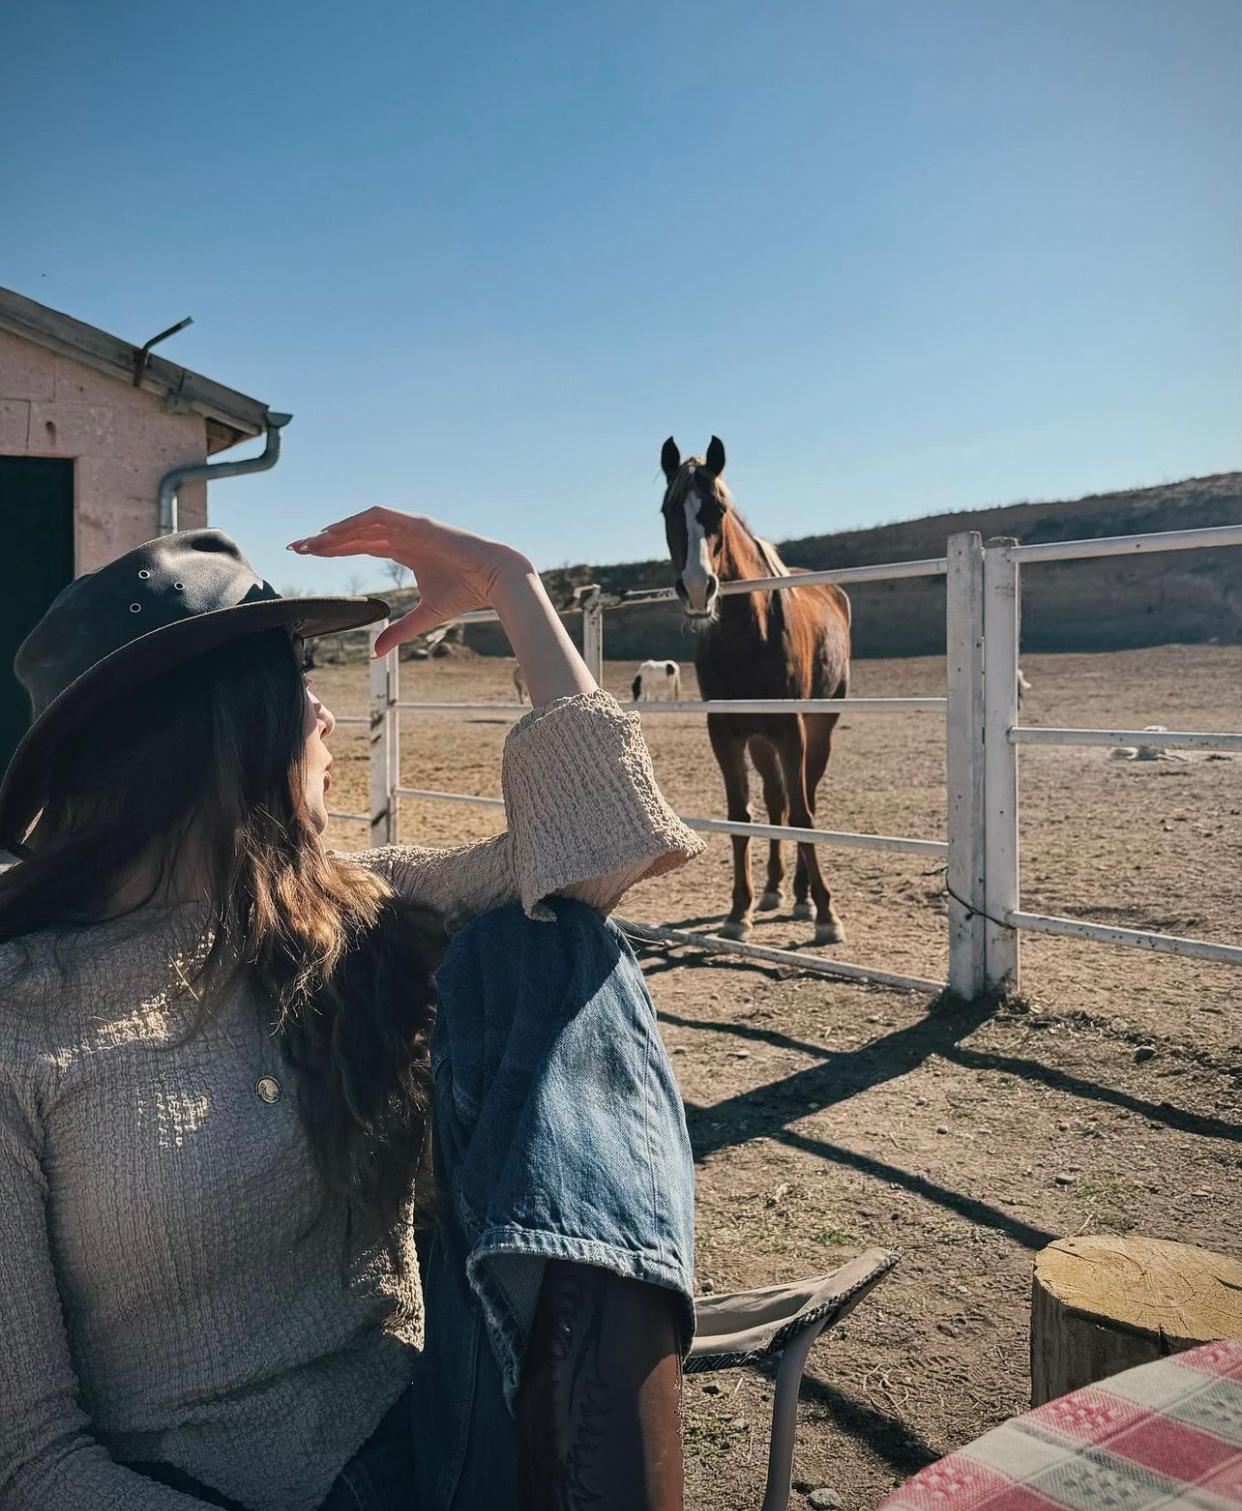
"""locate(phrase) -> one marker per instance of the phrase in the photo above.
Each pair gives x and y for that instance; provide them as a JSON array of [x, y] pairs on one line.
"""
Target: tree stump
[[1105, 1303]]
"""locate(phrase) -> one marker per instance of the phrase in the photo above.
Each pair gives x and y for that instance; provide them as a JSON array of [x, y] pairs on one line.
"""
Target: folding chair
[[781, 1321]]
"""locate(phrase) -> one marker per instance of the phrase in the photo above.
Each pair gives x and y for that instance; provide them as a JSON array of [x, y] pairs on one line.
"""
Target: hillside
[[1107, 604]]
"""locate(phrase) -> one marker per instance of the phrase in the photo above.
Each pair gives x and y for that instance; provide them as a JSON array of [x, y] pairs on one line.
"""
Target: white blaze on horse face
[[696, 575]]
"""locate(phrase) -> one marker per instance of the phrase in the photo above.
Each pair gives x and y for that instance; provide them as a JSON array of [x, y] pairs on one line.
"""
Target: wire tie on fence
[[973, 912]]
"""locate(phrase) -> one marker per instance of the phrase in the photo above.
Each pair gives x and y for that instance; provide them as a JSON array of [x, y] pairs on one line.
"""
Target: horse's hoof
[[770, 901], [803, 912], [735, 929], [831, 932]]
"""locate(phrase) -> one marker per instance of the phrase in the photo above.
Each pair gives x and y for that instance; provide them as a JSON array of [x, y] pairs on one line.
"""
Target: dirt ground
[[827, 1116]]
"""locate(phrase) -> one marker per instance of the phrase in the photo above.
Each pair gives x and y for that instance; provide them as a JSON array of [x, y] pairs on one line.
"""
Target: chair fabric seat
[[746, 1326]]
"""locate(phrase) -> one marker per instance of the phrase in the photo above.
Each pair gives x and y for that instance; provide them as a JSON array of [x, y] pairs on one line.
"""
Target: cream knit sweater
[[169, 1277]]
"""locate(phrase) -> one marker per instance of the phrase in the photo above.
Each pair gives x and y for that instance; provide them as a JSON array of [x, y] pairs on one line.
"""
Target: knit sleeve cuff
[[583, 804]]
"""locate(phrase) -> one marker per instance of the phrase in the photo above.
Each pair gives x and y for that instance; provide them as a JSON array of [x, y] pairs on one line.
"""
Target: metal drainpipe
[[171, 482]]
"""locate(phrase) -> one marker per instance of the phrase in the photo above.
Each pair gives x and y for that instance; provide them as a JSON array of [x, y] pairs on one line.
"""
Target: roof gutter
[[172, 482]]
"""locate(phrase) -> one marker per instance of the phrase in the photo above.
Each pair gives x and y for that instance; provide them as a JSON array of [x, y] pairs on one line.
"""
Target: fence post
[[964, 764], [593, 631], [394, 743], [1001, 620], [383, 809]]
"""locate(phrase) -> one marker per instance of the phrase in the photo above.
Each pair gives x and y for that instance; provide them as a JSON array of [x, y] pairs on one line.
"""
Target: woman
[[218, 1055]]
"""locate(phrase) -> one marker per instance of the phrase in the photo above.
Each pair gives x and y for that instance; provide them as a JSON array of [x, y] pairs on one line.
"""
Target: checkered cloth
[[1165, 1435]]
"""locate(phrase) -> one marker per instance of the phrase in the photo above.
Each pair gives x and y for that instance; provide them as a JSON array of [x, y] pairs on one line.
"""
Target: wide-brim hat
[[120, 626]]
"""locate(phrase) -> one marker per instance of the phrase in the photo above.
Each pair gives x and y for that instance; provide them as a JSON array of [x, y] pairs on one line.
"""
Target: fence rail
[[935, 566], [710, 706], [1164, 944], [982, 733], [712, 944], [1169, 739], [1127, 545]]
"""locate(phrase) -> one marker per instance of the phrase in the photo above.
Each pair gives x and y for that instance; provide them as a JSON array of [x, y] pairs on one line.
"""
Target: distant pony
[[656, 680], [767, 644]]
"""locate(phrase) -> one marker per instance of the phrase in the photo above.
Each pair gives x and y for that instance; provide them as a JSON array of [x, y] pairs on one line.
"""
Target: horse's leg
[[818, 749], [769, 768], [730, 752], [792, 750], [802, 908]]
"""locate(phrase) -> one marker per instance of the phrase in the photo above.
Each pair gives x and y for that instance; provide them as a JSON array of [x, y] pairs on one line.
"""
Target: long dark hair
[[211, 754]]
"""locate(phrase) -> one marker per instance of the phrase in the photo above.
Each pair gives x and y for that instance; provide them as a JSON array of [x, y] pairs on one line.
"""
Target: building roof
[[230, 416]]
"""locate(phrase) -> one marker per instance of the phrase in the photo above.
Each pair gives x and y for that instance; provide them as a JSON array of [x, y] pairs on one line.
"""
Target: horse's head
[[694, 508]]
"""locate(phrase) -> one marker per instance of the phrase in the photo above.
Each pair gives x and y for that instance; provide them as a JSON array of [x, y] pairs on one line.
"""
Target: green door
[[36, 518]]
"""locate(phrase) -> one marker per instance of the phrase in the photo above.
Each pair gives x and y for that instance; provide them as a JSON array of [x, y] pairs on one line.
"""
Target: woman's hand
[[457, 572], [454, 570]]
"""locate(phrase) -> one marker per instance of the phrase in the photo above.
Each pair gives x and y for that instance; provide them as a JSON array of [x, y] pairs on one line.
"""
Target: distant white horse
[[1023, 686], [519, 684], [656, 681]]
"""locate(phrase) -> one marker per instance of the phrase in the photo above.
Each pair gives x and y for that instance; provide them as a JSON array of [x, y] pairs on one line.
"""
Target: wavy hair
[[208, 759]]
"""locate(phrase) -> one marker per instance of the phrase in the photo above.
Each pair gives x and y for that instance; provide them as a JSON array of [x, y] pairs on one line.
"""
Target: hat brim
[[146, 657]]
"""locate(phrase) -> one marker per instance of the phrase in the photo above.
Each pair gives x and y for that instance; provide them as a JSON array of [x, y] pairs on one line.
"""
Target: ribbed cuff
[[582, 799]]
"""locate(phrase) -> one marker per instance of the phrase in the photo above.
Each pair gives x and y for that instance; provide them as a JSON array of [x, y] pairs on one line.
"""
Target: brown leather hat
[[115, 628]]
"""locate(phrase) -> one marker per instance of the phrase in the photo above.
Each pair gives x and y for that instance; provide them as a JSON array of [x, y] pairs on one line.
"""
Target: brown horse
[[793, 643]]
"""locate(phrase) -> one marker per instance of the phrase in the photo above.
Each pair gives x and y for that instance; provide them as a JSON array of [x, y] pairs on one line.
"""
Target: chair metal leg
[[785, 1417]]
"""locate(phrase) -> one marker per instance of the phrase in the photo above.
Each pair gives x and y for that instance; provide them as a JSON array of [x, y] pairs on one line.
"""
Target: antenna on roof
[[142, 355]]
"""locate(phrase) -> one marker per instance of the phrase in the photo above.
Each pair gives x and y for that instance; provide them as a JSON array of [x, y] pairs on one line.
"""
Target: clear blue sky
[[902, 255]]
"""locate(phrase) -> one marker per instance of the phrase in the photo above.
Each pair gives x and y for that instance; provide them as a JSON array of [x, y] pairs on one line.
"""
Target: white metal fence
[[982, 736], [1002, 733]]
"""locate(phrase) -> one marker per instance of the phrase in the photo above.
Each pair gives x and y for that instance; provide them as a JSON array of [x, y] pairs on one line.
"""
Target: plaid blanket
[[1165, 1435]]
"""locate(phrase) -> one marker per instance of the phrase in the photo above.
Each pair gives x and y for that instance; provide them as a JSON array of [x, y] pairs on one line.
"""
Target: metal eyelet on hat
[[135, 608], [144, 573], [180, 587], [268, 1088]]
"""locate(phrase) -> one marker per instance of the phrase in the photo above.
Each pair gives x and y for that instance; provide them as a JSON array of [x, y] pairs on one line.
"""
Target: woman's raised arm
[[586, 818], [457, 572]]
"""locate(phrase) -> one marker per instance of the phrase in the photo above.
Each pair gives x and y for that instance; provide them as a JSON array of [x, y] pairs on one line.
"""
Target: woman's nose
[[328, 718]]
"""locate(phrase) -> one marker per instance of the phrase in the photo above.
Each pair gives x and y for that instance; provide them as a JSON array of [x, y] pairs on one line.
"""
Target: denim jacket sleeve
[[585, 820]]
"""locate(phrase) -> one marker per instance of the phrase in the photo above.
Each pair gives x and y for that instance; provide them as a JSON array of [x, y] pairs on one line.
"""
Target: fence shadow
[[766, 1111], [1202, 1124], [841, 1074], [971, 1208], [1184, 1121], [656, 960]]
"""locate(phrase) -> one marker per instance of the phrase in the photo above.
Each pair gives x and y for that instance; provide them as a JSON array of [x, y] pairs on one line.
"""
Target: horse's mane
[[771, 558]]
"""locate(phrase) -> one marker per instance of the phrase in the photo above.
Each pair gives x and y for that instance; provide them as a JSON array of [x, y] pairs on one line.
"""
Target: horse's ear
[[670, 459], [714, 461]]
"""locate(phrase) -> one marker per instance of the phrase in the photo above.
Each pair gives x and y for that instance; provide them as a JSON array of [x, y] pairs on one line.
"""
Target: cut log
[[1105, 1303]]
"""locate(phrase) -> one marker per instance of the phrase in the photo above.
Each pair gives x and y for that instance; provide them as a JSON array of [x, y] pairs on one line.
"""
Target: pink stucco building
[[90, 426]]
